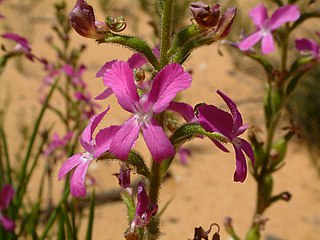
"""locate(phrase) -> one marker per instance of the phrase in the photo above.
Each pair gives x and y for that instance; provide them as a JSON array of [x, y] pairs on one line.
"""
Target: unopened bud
[[204, 15], [139, 75], [116, 24], [83, 21], [286, 196]]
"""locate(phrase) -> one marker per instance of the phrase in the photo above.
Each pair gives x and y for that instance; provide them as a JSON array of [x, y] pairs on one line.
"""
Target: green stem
[[154, 190], [166, 30], [6, 153]]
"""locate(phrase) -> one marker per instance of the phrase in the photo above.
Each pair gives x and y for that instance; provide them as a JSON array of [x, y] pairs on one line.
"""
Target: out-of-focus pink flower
[[166, 84], [94, 149], [75, 74], [145, 209], [184, 154], [57, 142], [6, 196], [90, 107], [84, 22], [22, 47], [230, 126], [309, 46], [265, 26]]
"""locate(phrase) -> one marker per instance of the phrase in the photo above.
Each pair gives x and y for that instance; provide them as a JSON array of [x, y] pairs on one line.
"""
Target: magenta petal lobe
[[157, 141], [77, 186], [167, 83], [259, 15], [68, 165], [288, 13], [250, 41], [125, 138]]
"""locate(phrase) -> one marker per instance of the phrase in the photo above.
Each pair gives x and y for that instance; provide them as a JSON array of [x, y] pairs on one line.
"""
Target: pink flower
[[75, 74], [265, 26], [57, 142], [6, 196], [145, 209], [90, 107], [306, 45], [22, 46], [230, 126], [166, 84], [94, 149]]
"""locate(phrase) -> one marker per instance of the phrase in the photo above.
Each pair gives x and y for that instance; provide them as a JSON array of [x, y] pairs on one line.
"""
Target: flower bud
[[204, 15], [83, 21], [124, 177]]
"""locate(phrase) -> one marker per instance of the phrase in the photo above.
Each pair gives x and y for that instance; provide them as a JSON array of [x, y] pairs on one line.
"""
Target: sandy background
[[203, 191]]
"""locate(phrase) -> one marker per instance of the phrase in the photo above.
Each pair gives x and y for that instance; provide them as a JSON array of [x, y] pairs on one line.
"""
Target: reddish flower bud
[[204, 15], [83, 21]]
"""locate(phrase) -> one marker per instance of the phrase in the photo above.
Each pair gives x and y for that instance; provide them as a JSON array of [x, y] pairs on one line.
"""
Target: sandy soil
[[203, 191]]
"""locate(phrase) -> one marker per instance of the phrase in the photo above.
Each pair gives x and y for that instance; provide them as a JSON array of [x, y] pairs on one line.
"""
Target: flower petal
[[267, 44], [7, 223], [236, 115], [213, 119], [157, 141], [121, 80], [86, 136], [259, 15], [184, 109], [104, 68], [103, 140], [6, 196], [287, 13], [241, 166], [105, 94], [167, 83], [137, 60], [77, 187], [125, 138], [250, 41], [246, 147], [68, 165]]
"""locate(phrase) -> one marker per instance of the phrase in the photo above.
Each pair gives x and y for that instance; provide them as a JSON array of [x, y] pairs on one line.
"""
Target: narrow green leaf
[[70, 232], [6, 153], [91, 217], [61, 234]]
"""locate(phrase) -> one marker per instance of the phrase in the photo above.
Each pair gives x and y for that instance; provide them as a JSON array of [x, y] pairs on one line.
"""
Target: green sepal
[[186, 133], [299, 63], [191, 130], [134, 43], [134, 159], [129, 202], [280, 147], [259, 153], [185, 35], [277, 98], [254, 233], [267, 189]]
